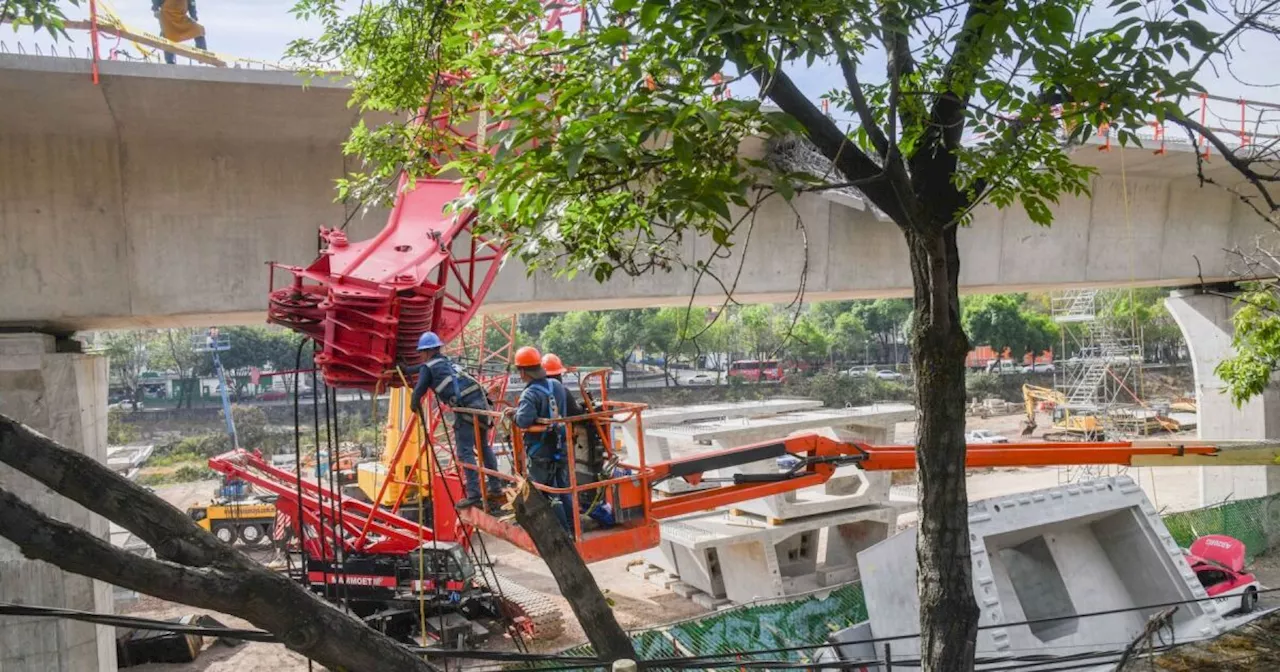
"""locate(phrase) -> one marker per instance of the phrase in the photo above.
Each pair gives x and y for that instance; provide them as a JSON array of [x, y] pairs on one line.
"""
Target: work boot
[[495, 501], [467, 502]]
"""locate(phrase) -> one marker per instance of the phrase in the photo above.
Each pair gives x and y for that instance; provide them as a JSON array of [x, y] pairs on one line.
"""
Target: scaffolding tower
[[1097, 369]]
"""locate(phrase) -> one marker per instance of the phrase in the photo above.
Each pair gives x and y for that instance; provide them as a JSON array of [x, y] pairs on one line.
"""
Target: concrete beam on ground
[[738, 432], [1040, 558], [849, 486], [747, 560], [674, 415], [155, 198]]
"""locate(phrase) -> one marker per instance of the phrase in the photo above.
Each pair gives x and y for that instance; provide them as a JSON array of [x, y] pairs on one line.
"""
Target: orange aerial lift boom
[[637, 508]]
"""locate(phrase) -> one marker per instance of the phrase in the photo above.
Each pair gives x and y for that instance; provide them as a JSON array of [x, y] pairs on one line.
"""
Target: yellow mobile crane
[[394, 473], [1072, 423]]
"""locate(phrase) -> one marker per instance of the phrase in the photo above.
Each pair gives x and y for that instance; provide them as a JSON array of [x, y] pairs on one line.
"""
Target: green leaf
[[573, 157], [614, 36], [710, 119], [1059, 18], [650, 12], [624, 6], [784, 187], [716, 203], [1036, 210]]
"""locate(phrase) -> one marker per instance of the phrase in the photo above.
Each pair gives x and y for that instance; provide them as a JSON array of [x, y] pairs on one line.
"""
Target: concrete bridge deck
[[156, 197]]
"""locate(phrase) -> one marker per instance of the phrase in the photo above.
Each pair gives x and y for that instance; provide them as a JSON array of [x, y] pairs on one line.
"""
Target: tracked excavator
[[1070, 423]]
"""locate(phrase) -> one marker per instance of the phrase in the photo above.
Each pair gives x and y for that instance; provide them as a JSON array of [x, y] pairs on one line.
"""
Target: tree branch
[[1241, 165], [269, 600], [895, 34], [823, 133], [85, 481], [850, 70]]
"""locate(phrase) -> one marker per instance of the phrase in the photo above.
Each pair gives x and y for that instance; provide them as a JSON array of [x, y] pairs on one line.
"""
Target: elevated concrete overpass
[[156, 197]]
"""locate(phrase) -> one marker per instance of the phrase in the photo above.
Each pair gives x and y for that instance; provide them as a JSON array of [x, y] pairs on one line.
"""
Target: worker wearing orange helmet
[[542, 402], [555, 370]]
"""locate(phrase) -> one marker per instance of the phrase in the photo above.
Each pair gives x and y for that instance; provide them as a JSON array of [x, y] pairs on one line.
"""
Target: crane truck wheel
[[251, 534], [225, 533]]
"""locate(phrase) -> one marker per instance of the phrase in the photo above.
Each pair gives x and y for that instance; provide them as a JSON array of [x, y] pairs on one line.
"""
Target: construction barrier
[[809, 620]]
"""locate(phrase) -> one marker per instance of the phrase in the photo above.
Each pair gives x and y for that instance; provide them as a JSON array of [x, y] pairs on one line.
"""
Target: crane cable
[[1133, 315], [479, 552]]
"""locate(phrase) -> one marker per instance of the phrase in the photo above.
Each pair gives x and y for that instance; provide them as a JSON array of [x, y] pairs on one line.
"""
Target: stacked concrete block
[[1048, 556], [784, 544], [744, 560], [661, 447]]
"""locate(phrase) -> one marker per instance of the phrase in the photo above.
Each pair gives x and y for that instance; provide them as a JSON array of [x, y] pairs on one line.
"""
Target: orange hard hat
[[528, 356], [552, 365]]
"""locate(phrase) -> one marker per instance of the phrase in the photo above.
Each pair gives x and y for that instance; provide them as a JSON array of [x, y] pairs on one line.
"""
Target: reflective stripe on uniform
[[443, 384]]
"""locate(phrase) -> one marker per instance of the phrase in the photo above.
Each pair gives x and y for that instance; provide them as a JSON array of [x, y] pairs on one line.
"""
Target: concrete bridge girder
[[155, 198]]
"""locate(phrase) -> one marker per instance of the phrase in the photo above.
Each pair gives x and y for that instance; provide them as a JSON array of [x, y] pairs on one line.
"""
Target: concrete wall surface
[[1050, 554], [155, 198], [1205, 320], [63, 396]]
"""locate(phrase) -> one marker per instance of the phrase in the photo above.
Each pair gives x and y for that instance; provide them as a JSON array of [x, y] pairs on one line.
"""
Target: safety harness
[[460, 390], [552, 413]]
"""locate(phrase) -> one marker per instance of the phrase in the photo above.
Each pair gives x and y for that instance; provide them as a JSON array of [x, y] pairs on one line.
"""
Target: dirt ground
[[639, 603]]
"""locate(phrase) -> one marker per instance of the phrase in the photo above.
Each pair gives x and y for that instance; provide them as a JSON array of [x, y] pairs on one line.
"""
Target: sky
[[262, 29]]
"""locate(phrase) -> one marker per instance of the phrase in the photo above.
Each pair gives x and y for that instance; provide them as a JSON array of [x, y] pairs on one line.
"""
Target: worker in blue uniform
[[459, 391], [546, 456]]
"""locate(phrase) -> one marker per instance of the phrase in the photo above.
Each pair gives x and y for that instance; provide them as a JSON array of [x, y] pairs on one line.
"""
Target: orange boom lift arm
[[630, 490]]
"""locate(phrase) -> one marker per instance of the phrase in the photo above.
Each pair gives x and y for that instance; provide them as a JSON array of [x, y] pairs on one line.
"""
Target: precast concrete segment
[[849, 487], [1050, 555], [675, 415], [1205, 321], [64, 397], [155, 198], [741, 431], [745, 559]]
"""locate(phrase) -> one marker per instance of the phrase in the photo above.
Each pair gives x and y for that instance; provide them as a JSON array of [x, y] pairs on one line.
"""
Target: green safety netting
[[810, 620], [1256, 522]]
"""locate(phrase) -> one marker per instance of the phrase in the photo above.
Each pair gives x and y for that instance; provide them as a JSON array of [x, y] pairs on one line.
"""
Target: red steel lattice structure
[[366, 303]]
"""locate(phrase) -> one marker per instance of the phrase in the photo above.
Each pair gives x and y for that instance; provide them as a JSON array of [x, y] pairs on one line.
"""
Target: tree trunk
[[576, 583], [191, 566], [948, 614]]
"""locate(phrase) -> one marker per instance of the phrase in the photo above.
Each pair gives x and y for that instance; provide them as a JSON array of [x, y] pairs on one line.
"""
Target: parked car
[[273, 395], [701, 378], [984, 436], [856, 371], [886, 374], [1046, 367], [1218, 561]]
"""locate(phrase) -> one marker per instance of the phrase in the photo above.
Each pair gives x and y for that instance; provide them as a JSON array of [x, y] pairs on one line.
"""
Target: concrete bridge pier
[[1205, 320], [62, 395]]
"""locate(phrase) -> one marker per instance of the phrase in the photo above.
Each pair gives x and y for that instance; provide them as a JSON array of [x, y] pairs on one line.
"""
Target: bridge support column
[[1205, 321], [62, 395]]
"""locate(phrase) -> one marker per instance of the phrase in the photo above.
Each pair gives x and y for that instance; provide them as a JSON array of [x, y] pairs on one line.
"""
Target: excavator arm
[[1030, 395]]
